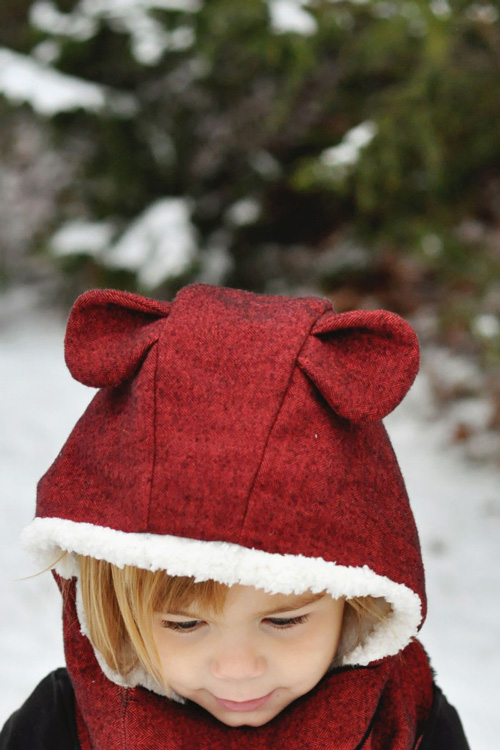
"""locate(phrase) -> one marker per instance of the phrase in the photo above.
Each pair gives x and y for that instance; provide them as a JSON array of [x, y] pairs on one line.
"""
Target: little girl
[[231, 534]]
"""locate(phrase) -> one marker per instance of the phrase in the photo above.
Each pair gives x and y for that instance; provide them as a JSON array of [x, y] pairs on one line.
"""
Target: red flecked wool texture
[[241, 418], [226, 416], [380, 707]]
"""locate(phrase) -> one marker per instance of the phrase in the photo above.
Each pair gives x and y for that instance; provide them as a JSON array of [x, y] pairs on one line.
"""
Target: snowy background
[[457, 504], [457, 507]]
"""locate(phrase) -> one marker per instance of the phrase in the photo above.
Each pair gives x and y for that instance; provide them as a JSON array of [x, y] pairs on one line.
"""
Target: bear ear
[[363, 362], [108, 335]]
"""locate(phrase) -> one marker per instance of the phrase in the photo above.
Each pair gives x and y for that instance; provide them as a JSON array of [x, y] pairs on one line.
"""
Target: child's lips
[[251, 705]]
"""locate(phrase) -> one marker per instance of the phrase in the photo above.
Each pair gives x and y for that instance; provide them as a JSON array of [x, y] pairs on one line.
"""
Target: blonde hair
[[119, 604]]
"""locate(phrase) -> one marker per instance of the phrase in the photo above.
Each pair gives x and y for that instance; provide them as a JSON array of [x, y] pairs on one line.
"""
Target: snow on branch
[[149, 38], [81, 237], [347, 152], [160, 244], [25, 80], [290, 16]]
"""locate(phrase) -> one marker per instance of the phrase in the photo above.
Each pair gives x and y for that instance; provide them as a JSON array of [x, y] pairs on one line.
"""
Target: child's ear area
[[108, 335], [362, 362]]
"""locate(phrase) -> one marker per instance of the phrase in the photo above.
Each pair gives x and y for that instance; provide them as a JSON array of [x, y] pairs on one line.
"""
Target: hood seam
[[295, 365], [154, 435]]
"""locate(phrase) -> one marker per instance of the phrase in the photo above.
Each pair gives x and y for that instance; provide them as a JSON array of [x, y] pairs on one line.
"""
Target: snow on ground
[[457, 508]]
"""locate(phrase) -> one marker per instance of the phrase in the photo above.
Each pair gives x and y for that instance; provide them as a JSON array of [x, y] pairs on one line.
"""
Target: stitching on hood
[[295, 366]]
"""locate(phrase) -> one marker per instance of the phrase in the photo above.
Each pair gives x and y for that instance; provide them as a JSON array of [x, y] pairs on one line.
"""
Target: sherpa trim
[[138, 676], [47, 538]]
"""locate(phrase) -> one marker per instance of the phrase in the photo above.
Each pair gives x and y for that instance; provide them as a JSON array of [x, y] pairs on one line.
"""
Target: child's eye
[[183, 626], [282, 623]]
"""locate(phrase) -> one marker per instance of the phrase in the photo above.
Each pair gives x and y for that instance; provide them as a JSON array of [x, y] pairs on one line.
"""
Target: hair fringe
[[119, 604]]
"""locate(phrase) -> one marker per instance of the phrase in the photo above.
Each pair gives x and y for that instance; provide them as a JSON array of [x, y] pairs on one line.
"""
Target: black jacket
[[47, 721]]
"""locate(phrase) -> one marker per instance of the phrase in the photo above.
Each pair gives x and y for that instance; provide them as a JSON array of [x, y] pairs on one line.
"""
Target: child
[[231, 534]]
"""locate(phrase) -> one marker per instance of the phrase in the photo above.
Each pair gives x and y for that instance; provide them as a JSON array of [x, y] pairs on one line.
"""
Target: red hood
[[238, 437]]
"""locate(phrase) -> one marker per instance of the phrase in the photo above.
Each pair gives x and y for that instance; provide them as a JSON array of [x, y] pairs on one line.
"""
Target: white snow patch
[[160, 244], [150, 39], [120, 7], [457, 509], [347, 152], [46, 52], [487, 325], [36, 413], [83, 21], [44, 15], [452, 374], [24, 79], [81, 237], [291, 16], [243, 212], [474, 413]]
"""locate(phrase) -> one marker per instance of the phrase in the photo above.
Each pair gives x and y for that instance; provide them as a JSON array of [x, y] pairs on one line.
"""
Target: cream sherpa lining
[[47, 538]]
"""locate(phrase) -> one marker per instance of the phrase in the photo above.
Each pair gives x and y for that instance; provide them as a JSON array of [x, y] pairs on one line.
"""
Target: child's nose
[[237, 661]]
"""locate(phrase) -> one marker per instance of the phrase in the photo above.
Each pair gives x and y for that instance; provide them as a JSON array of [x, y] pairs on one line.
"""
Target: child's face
[[248, 663]]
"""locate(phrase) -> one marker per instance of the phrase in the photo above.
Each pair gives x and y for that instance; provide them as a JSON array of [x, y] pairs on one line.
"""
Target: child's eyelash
[[282, 623], [183, 627]]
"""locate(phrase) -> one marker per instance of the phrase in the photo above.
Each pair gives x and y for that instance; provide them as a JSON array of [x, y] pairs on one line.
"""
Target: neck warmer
[[383, 706], [238, 437]]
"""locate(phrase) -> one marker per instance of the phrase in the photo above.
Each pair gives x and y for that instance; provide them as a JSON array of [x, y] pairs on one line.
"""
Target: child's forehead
[[279, 598], [251, 598]]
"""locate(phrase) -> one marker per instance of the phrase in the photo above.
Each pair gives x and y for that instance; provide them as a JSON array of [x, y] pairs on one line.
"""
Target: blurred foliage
[[15, 32], [251, 120]]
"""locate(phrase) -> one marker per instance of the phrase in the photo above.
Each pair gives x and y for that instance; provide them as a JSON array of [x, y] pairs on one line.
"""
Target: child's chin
[[248, 719], [245, 721]]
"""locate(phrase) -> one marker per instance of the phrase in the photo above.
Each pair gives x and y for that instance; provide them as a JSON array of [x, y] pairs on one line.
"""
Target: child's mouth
[[245, 706]]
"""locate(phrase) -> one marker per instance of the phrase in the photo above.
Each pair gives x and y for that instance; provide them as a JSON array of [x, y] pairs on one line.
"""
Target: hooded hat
[[238, 437]]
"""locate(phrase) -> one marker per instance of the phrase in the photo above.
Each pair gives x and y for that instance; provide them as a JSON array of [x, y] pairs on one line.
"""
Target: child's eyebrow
[[304, 601], [182, 613]]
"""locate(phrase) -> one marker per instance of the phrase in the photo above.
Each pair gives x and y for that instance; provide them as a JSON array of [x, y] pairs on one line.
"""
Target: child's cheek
[[178, 661]]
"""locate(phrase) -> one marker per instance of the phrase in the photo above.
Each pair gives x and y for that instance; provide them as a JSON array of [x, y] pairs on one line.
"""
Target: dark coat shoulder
[[444, 729], [46, 721]]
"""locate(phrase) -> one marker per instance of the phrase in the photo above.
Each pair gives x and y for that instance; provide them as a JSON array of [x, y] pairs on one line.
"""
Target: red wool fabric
[[378, 707], [241, 418], [226, 416]]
